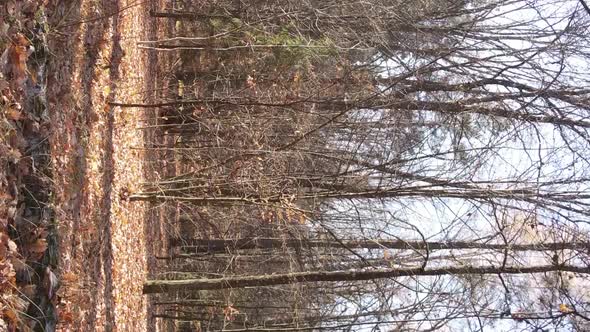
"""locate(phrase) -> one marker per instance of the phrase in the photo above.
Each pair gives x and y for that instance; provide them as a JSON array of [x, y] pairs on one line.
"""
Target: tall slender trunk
[[221, 245], [163, 286]]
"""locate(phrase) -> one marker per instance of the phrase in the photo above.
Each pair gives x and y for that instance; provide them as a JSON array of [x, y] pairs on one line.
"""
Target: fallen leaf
[[3, 249], [14, 114], [29, 291], [69, 277], [12, 247], [16, 62], [66, 316], [230, 312], [38, 246], [5, 196], [14, 155], [10, 315], [106, 91]]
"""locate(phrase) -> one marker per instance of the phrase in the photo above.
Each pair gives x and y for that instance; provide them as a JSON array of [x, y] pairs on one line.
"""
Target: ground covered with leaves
[[71, 244]]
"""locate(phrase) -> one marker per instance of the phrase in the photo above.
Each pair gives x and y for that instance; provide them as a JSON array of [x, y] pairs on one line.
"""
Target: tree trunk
[[220, 245], [163, 286], [477, 106], [188, 15]]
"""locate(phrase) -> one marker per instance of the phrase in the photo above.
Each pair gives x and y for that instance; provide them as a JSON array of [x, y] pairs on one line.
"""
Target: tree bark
[[163, 286], [187, 15], [471, 193], [220, 245], [473, 106]]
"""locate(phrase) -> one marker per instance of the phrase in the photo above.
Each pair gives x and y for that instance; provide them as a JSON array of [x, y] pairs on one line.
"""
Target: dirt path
[[102, 236]]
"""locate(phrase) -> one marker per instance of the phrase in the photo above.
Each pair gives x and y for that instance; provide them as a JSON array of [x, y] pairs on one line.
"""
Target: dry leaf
[[230, 312], [69, 277], [12, 247], [564, 308], [5, 94], [5, 196], [38, 246], [10, 315], [14, 114], [7, 275], [250, 83], [29, 291], [19, 263], [14, 155], [106, 91], [66, 316], [16, 61]]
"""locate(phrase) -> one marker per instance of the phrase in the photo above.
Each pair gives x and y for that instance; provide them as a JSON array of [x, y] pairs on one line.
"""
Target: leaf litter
[[70, 243]]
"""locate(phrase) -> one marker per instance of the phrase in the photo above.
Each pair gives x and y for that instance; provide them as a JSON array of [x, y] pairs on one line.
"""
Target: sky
[[538, 153]]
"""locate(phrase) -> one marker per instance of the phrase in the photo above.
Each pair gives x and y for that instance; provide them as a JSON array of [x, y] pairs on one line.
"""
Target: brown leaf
[[5, 196], [10, 315], [5, 92], [66, 316], [7, 275], [38, 246], [14, 155], [16, 66], [4, 238], [19, 264], [3, 246], [69, 277], [25, 165], [14, 114], [564, 308], [230, 312], [29, 291]]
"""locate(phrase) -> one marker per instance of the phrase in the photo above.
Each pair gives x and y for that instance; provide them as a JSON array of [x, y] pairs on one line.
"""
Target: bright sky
[[539, 153]]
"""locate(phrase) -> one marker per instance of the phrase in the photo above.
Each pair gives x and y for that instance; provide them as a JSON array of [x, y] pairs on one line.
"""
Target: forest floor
[[105, 243], [97, 161]]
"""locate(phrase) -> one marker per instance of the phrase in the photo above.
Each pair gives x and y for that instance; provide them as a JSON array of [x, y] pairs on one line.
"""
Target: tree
[[157, 286], [344, 128]]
